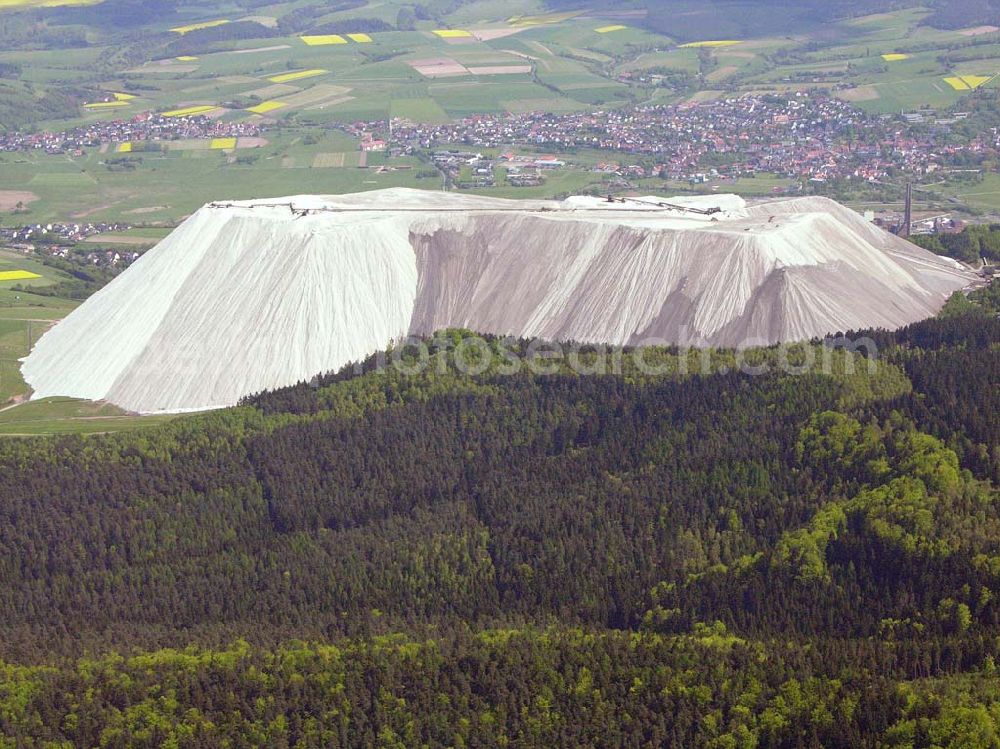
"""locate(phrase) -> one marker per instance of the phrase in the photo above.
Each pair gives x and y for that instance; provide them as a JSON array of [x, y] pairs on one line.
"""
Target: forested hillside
[[971, 245], [533, 560]]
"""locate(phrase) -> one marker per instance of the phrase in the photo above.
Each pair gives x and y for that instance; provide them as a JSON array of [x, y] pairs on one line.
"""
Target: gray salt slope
[[252, 295]]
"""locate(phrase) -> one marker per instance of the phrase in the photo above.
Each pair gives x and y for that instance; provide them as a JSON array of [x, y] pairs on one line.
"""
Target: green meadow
[[24, 317], [71, 416]]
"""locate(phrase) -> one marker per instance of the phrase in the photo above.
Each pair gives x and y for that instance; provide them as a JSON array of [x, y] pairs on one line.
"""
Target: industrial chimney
[[904, 230]]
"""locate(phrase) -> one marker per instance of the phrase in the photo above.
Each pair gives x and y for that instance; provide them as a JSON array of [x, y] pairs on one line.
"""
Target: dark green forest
[[973, 244], [383, 559]]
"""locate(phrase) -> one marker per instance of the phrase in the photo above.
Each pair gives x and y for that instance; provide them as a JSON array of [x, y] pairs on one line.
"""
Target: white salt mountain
[[259, 294]]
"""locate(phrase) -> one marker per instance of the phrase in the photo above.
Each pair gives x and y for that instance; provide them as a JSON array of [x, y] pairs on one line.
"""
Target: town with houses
[[802, 136], [60, 240], [807, 138], [146, 127]]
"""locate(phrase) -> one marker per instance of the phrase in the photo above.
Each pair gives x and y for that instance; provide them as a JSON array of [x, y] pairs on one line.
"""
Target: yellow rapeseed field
[[967, 82], [223, 143], [187, 58], [712, 43], [452, 33], [17, 275], [124, 147], [895, 56], [186, 111], [123, 97], [322, 39], [197, 26], [105, 104], [285, 77], [360, 38], [266, 106], [609, 29]]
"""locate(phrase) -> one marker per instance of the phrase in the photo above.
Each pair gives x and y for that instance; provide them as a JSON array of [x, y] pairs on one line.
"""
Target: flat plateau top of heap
[[686, 211]]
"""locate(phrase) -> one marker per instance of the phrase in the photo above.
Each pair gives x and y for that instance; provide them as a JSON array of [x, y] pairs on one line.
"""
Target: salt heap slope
[[252, 295]]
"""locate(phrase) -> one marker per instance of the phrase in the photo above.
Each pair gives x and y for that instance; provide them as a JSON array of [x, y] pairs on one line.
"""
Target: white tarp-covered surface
[[251, 295]]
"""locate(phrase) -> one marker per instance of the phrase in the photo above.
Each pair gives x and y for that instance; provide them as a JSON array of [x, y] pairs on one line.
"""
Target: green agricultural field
[[907, 94], [568, 57], [165, 187], [71, 416], [13, 345], [15, 261], [761, 186], [673, 59], [851, 54], [43, 67], [564, 59], [982, 196], [142, 235], [423, 110], [573, 61]]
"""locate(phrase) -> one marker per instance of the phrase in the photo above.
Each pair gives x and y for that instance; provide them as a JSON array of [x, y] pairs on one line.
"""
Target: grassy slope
[[23, 318], [71, 416]]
